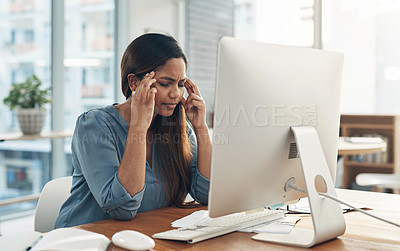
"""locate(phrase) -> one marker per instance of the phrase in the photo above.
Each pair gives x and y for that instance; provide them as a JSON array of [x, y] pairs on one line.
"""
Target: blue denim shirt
[[97, 194]]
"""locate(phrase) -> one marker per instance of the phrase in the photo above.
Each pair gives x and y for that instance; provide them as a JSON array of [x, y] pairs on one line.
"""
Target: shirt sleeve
[[200, 185], [94, 148]]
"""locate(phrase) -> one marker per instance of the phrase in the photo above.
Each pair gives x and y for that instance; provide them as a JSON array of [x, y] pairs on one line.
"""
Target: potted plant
[[28, 100]]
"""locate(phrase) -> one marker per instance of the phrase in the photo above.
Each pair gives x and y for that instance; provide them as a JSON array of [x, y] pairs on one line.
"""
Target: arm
[[196, 113], [195, 109], [96, 154], [204, 148], [199, 183], [118, 187], [132, 169]]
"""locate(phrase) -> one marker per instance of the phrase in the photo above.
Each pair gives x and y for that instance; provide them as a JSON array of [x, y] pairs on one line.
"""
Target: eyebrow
[[171, 79]]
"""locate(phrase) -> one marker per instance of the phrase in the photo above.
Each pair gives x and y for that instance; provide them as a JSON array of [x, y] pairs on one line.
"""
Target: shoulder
[[94, 119]]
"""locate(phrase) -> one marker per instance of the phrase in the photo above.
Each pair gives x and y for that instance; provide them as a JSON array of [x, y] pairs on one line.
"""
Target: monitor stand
[[327, 216]]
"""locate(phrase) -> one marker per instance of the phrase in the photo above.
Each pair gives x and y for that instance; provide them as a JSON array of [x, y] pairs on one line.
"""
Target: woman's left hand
[[195, 106]]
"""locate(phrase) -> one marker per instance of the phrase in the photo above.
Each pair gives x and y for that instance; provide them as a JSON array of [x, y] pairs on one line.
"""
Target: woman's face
[[170, 86]]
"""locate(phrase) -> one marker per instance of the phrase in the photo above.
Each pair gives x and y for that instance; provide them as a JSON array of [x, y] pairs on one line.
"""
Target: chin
[[166, 112]]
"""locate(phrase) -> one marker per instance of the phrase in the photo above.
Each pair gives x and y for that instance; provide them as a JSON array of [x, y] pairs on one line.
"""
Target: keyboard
[[219, 226]]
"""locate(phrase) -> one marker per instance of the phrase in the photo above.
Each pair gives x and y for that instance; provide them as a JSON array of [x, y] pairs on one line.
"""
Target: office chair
[[380, 181], [53, 195]]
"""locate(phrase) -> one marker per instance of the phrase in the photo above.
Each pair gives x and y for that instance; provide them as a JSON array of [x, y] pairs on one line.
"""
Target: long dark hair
[[147, 53]]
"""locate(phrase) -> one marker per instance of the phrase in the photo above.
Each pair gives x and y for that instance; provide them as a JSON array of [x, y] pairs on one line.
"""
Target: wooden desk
[[362, 232]]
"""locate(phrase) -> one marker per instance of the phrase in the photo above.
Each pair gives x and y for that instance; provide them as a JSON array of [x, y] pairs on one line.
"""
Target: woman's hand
[[142, 103], [195, 106]]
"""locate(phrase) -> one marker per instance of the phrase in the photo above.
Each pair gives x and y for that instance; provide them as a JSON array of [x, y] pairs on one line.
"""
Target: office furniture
[[361, 231], [53, 195], [349, 148], [26, 198], [380, 181], [387, 126], [16, 136], [43, 135]]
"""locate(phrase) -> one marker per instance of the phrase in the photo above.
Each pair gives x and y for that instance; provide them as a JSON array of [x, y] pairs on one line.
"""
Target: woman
[[142, 154]]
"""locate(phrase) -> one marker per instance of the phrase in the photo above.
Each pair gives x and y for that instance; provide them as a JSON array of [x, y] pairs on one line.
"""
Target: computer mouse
[[133, 240]]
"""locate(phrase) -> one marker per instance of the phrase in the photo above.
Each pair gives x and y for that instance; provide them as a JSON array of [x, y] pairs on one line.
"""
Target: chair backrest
[[53, 195]]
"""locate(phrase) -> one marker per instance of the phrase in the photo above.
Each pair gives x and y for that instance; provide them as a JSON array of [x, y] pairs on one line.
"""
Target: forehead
[[174, 68]]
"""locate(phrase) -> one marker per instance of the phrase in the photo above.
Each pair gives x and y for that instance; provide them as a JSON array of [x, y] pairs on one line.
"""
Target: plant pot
[[31, 120]]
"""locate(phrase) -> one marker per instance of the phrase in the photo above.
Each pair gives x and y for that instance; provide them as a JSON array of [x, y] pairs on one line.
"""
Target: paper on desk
[[191, 219], [280, 226], [283, 225], [302, 207]]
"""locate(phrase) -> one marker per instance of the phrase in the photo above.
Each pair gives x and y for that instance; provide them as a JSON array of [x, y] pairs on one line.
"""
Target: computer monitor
[[263, 93]]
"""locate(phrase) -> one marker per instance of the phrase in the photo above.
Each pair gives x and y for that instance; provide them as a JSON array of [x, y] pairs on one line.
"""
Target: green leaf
[[28, 94]]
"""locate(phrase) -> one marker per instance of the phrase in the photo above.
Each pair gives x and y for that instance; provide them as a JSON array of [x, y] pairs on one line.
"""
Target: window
[[368, 35], [207, 21], [282, 22], [89, 56], [25, 49]]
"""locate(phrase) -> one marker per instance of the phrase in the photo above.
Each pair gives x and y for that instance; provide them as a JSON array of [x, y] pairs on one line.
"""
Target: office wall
[[154, 15], [136, 17], [388, 86], [347, 31]]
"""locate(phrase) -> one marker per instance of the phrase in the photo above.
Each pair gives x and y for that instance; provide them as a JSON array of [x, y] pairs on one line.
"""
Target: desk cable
[[293, 186]]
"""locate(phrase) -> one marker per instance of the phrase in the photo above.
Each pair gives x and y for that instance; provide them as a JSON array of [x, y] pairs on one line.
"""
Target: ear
[[132, 81]]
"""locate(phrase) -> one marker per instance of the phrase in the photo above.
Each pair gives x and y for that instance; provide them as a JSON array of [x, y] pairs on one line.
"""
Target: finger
[[194, 97], [183, 101], [146, 85], [152, 94], [199, 105], [188, 87], [149, 79], [140, 86], [189, 102], [148, 75], [194, 86]]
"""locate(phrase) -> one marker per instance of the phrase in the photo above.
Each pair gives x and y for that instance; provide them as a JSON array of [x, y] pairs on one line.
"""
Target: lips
[[169, 105]]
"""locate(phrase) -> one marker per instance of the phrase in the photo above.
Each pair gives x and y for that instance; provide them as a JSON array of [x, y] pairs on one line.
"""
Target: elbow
[[124, 215], [201, 198]]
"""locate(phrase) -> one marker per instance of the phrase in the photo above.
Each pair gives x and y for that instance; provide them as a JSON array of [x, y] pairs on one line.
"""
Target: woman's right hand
[[142, 103]]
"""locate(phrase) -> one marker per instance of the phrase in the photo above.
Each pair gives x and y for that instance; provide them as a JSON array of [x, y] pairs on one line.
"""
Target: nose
[[174, 91]]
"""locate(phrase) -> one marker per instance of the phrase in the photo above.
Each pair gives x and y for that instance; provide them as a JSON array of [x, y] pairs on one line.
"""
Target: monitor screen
[[262, 90]]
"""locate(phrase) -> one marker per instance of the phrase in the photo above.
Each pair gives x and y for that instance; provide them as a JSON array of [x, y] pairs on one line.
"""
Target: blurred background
[[75, 47]]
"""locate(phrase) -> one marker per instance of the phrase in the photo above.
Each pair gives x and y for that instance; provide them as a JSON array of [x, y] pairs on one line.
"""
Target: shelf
[[369, 164], [368, 126], [387, 126], [43, 135]]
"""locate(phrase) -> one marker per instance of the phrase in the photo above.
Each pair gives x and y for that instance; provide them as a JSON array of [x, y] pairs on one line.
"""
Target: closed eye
[[165, 85], [162, 84]]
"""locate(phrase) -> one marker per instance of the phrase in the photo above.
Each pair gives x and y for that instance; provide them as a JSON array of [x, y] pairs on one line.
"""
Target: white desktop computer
[[276, 123]]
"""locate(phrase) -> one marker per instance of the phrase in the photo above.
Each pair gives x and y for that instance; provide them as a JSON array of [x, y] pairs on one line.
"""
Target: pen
[[34, 243]]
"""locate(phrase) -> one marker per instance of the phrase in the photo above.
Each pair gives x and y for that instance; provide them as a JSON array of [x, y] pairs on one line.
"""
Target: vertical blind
[[206, 22]]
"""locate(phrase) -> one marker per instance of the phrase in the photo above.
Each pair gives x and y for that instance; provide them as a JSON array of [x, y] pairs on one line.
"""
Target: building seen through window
[[25, 49]]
